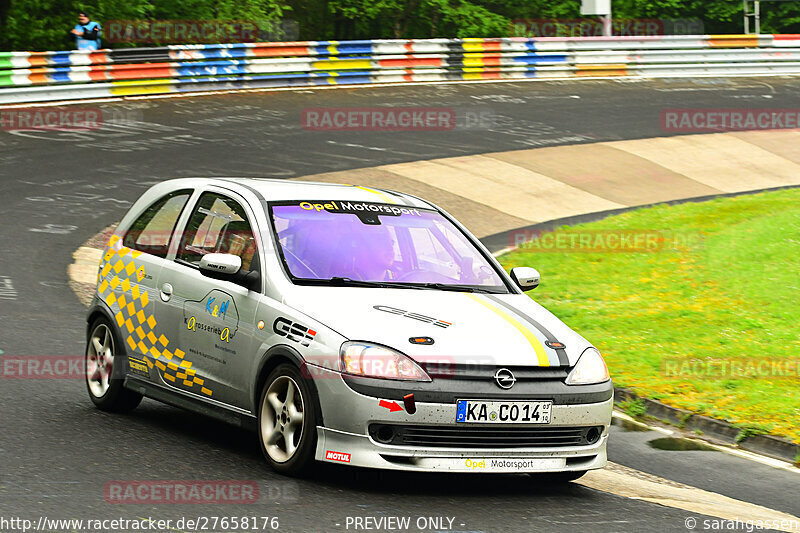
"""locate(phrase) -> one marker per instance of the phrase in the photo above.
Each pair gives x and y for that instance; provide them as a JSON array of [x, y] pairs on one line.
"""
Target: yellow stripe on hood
[[534, 342], [385, 197]]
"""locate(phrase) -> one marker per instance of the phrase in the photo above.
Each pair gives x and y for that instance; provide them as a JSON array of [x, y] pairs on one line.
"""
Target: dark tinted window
[[151, 232]]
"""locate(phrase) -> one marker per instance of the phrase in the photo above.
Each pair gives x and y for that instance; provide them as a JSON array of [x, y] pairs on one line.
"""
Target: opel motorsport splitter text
[[348, 324]]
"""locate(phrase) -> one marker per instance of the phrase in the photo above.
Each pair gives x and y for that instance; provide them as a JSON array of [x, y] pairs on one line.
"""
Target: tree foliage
[[44, 24]]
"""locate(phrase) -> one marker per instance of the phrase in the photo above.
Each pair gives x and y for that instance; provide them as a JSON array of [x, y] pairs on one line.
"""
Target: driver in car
[[351, 250], [374, 255]]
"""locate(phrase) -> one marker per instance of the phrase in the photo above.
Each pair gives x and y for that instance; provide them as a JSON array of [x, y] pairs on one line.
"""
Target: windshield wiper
[[341, 281], [449, 287]]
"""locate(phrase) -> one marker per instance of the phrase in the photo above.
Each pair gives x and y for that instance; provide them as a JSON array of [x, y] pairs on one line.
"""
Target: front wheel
[[104, 386], [287, 421]]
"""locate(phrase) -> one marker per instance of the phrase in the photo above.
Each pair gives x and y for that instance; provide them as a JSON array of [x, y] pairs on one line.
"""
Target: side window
[[218, 225], [151, 232]]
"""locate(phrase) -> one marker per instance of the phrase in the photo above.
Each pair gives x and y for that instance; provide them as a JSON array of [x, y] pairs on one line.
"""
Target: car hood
[[466, 328]]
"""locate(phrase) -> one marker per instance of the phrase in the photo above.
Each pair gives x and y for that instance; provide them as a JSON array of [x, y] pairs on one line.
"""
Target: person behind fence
[[86, 32]]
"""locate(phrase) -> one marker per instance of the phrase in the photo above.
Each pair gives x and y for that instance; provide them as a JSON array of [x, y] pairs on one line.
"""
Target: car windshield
[[372, 244]]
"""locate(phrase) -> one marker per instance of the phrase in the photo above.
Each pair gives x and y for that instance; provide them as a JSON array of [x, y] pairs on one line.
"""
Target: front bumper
[[345, 436]]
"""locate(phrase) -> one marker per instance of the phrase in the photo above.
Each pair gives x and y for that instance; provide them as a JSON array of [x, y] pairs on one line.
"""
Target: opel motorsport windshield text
[[358, 208]]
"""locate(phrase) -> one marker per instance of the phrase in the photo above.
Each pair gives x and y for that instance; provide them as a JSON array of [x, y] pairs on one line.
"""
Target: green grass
[[724, 289], [635, 408]]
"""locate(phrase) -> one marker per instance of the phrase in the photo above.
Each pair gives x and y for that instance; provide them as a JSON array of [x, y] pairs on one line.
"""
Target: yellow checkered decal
[[136, 321]]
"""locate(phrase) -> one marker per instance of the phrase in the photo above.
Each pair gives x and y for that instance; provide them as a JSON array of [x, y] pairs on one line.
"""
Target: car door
[[211, 320], [128, 274]]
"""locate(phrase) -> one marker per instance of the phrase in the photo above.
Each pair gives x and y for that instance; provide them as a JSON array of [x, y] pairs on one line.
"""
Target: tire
[[557, 478], [288, 441], [104, 384]]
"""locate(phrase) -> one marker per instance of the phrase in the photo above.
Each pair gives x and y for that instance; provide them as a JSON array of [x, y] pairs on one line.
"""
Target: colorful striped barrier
[[42, 76]]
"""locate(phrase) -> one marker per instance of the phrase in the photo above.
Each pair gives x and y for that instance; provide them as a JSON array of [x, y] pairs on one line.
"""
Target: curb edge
[[769, 445]]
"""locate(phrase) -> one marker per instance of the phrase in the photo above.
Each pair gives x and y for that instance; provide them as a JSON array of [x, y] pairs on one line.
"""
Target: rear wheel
[[287, 421], [103, 382]]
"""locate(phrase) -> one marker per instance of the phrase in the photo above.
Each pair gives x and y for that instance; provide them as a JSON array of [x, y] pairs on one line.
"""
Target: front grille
[[484, 437], [482, 372]]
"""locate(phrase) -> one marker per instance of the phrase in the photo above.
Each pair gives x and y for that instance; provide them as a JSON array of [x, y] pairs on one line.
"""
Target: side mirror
[[526, 278], [228, 267], [225, 264]]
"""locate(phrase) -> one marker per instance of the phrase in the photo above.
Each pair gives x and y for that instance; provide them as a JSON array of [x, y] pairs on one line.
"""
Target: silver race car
[[345, 324]]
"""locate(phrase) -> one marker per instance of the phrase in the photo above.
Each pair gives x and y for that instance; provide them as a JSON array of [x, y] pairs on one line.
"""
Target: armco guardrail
[[47, 76]]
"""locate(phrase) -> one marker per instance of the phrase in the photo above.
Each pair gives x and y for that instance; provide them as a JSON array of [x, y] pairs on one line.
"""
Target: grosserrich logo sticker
[[216, 314]]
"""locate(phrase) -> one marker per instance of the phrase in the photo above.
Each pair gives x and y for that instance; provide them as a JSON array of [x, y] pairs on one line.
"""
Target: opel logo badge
[[504, 378]]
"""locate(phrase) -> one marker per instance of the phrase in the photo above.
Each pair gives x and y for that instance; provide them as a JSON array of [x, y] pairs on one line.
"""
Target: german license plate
[[488, 412]]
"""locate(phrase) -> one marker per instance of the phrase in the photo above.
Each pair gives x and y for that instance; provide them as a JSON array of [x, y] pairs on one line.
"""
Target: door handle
[[166, 292]]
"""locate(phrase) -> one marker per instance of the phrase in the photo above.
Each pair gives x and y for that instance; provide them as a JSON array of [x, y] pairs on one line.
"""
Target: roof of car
[[283, 190]]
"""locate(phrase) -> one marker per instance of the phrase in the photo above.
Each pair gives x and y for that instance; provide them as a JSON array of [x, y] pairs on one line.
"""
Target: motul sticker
[[337, 456]]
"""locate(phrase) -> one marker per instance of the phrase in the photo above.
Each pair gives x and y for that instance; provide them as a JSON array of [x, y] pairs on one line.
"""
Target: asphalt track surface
[[57, 452]]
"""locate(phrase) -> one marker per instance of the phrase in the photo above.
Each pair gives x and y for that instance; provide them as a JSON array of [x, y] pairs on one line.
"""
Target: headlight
[[375, 361], [590, 369]]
